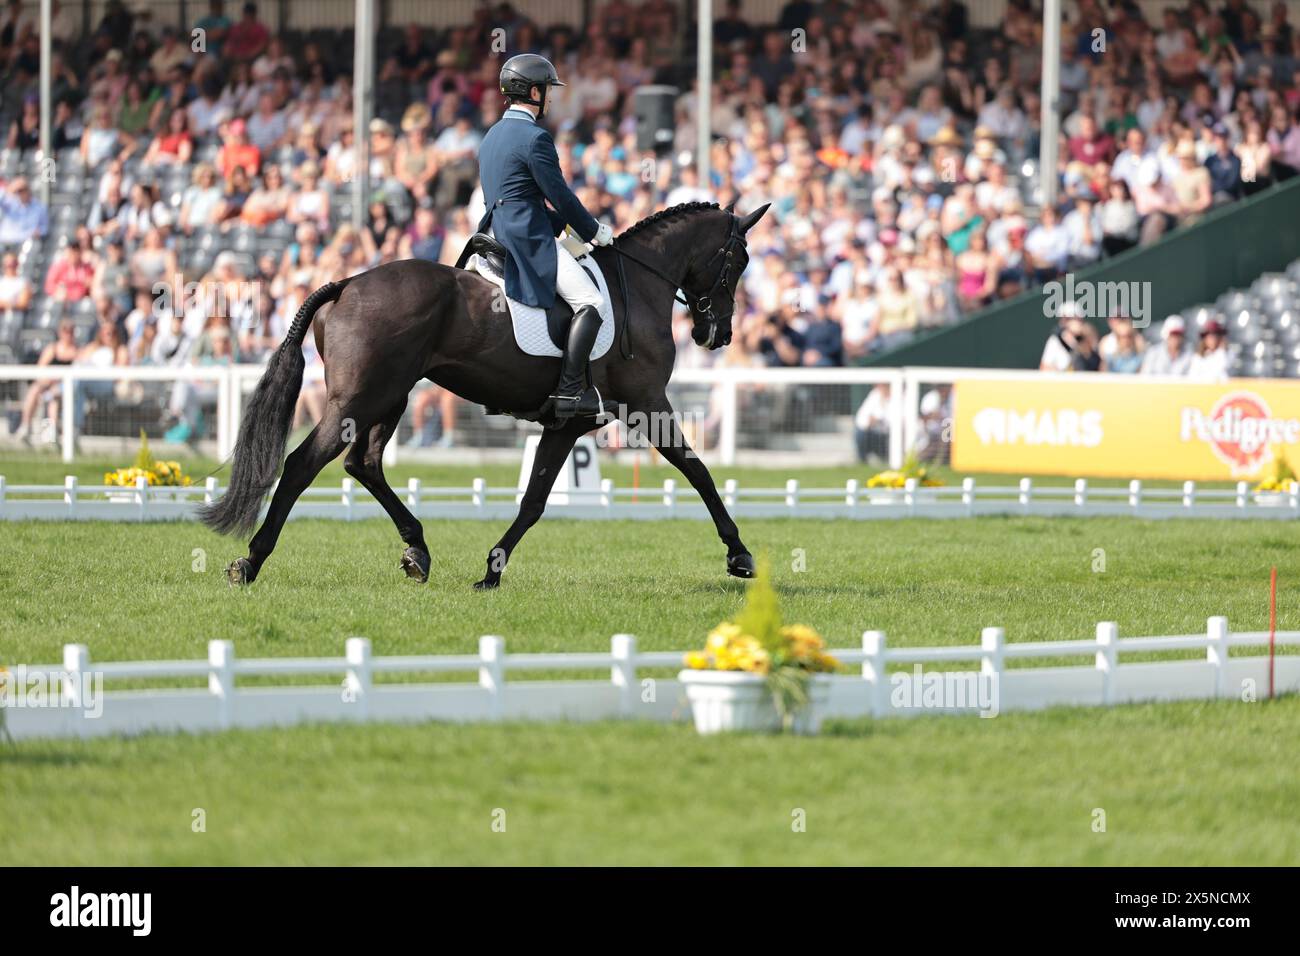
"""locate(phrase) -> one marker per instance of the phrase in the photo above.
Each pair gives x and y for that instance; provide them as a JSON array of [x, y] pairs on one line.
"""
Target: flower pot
[[738, 700], [1272, 499]]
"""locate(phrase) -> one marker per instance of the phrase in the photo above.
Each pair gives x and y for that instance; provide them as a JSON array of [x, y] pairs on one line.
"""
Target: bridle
[[699, 305]]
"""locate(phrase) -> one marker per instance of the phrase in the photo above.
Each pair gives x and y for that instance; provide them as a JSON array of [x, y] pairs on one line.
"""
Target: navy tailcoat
[[519, 170]]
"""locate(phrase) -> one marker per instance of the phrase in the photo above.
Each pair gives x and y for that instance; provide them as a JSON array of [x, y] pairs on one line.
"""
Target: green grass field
[[1206, 783]]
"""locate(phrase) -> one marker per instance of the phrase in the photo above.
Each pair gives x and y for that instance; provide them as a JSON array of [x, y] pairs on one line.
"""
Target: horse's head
[[711, 283]]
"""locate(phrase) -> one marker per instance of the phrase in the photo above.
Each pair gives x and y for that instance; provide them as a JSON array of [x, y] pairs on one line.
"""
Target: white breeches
[[572, 283]]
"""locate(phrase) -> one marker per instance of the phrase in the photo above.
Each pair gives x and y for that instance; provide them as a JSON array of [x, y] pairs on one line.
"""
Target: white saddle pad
[[529, 321]]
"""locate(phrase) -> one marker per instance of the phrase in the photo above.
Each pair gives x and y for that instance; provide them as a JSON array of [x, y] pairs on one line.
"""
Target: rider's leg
[[571, 396]]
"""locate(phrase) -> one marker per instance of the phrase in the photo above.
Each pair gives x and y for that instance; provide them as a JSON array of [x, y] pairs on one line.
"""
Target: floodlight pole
[[1050, 96], [363, 92], [704, 91], [46, 84]]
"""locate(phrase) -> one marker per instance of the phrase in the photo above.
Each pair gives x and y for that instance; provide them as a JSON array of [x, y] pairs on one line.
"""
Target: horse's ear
[[731, 206], [748, 222]]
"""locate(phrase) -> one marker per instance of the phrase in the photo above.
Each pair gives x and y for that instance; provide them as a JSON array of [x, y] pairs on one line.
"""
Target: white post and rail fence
[[979, 420], [69, 699]]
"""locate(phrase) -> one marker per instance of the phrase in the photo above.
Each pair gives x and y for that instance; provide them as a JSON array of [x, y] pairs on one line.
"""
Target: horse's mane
[[663, 215]]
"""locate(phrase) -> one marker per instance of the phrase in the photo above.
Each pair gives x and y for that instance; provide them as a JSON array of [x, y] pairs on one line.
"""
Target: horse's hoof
[[489, 583], [740, 565], [416, 564], [240, 572]]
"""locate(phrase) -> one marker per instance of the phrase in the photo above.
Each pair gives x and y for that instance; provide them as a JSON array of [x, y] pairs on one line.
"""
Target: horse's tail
[[259, 449]]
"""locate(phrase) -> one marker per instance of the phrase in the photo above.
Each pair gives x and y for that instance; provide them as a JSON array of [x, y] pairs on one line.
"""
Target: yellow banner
[[1109, 428]]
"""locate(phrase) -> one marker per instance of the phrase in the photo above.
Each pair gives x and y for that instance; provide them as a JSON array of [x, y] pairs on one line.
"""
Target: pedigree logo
[[1061, 428], [1239, 430]]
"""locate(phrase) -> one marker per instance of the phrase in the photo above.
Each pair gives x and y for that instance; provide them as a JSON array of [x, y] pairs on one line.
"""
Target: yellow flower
[[697, 660], [722, 635]]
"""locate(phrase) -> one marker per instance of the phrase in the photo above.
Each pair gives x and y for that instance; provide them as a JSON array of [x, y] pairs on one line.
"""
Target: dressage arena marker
[[1272, 627], [349, 502], [78, 707]]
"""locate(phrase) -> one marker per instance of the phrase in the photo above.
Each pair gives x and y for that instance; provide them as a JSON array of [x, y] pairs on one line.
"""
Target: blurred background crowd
[[897, 144]]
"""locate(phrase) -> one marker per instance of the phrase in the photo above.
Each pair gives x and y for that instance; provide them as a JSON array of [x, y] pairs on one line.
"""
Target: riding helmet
[[523, 72]]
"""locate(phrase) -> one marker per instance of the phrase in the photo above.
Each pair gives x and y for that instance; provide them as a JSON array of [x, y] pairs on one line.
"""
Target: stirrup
[[589, 404]]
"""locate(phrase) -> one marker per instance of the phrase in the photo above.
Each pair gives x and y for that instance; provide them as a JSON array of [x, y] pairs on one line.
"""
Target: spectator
[[1119, 220], [24, 216], [25, 130], [176, 146], [70, 275], [310, 202], [823, 343], [897, 316], [1256, 157], [248, 38], [237, 151], [871, 425], [268, 126], [234, 195], [1047, 247], [1121, 349], [62, 351], [105, 351], [215, 346], [15, 289], [202, 201], [1209, 363], [1172, 357], [268, 202], [977, 270], [152, 262], [424, 239], [778, 343], [1083, 226], [1190, 186], [1284, 144], [1224, 168]]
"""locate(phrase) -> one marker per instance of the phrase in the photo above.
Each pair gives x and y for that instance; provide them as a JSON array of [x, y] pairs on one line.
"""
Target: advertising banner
[[1119, 428]]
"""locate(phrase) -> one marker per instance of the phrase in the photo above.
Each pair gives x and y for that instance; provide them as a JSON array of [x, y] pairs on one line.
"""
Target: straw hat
[[417, 116], [947, 137]]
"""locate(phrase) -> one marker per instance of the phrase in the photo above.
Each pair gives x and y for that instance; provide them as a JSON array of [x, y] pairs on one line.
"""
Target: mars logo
[[1239, 429]]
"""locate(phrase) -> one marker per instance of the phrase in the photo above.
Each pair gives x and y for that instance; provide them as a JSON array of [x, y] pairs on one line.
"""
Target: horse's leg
[[301, 468], [365, 463], [668, 438], [552, 450]]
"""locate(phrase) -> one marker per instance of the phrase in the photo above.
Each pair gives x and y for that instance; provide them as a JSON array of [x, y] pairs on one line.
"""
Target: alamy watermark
[[22, 688], [1099, 300], [945, 690], [661, 429]]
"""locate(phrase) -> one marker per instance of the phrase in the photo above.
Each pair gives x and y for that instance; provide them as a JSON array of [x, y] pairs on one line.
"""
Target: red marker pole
[[1272, 627]]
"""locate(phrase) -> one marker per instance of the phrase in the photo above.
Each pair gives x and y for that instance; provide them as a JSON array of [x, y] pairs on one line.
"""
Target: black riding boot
[[572, 397]]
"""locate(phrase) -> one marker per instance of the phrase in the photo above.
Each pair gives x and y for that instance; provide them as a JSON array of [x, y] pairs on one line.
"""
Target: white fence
[[73, 501], [722, 399], [77, 706], [761, 415]]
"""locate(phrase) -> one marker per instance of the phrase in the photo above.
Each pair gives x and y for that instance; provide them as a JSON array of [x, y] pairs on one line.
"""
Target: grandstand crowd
[[897, 144]]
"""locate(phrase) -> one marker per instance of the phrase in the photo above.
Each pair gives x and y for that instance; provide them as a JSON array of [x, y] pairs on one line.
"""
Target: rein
[[700, 305]]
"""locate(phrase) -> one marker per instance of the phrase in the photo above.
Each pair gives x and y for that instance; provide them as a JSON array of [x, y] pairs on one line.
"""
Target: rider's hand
[[604, 235]]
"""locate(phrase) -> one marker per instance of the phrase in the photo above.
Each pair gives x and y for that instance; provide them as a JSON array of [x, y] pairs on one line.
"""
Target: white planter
[[737, 700], [1272, 499], [155, 493]]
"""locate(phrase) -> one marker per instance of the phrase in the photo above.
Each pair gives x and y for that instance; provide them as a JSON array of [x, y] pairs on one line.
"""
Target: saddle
[[492, 255]]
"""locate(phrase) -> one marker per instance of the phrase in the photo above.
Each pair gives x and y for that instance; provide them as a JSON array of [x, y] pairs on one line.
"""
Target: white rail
[[73, 501], [69, 699]]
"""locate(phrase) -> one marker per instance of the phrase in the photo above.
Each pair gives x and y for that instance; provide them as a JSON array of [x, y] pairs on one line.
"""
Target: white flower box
[[737, 700]]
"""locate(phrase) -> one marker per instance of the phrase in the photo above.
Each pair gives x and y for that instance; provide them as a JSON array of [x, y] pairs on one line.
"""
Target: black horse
[[404, 321]]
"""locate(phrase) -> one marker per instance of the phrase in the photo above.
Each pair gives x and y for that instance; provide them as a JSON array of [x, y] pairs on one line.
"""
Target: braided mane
[[663, 215]]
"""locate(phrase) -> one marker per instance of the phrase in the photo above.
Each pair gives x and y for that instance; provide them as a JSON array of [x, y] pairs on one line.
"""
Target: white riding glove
[[604, 235]]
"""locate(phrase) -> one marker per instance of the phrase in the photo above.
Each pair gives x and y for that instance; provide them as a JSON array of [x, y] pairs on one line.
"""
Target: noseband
[[701, 305]]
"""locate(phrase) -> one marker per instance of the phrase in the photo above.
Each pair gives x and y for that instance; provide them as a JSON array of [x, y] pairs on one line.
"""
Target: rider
[[520, 170]]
